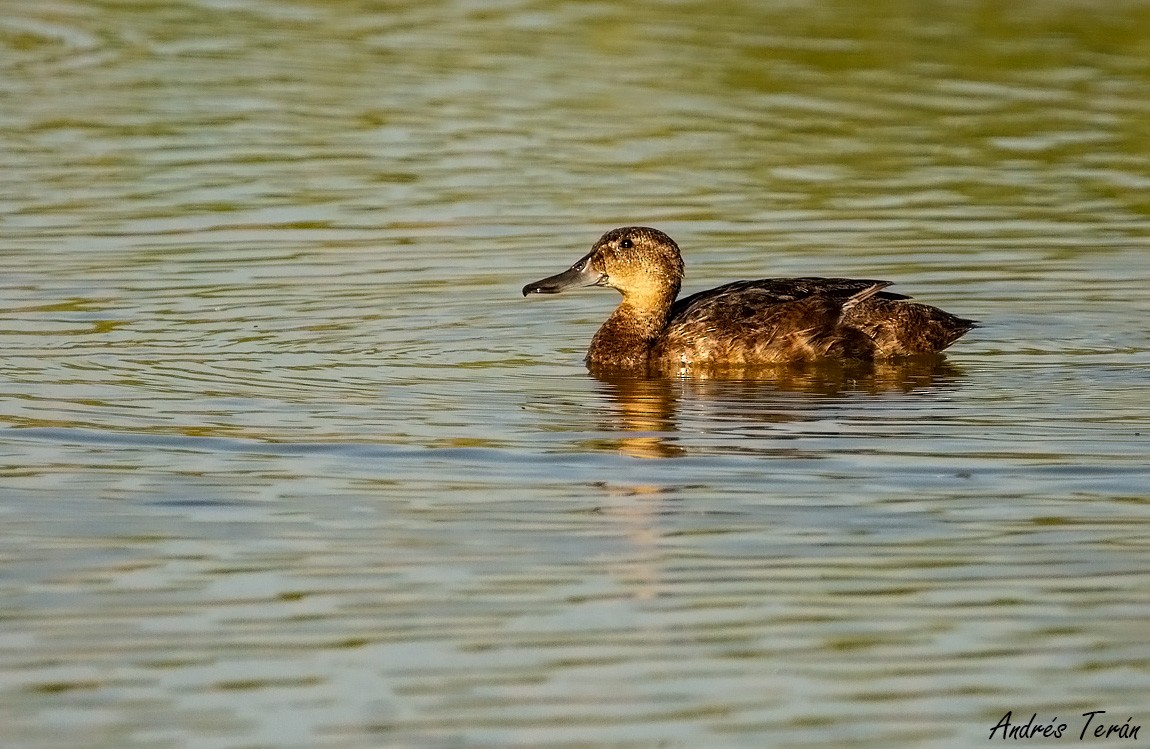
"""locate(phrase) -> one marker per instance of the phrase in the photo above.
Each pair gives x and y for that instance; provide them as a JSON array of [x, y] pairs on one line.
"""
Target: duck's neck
[[625, 339]]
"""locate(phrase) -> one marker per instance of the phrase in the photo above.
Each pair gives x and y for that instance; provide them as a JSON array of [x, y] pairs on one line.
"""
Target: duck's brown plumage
[[745, 323]]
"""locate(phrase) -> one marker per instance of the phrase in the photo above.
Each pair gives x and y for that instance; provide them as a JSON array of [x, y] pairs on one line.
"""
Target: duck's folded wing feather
[[769, 291]]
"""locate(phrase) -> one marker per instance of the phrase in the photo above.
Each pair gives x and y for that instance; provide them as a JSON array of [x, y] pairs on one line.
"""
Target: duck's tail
[[904, 328]]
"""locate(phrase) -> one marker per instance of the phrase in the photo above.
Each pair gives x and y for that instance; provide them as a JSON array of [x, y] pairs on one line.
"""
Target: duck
[[743, 324]]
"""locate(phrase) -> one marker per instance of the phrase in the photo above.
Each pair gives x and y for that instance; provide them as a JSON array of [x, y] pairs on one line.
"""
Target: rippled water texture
[[286, 460]]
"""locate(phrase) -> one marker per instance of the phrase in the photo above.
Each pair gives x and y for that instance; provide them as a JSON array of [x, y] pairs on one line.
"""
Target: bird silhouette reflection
[[645, 410]]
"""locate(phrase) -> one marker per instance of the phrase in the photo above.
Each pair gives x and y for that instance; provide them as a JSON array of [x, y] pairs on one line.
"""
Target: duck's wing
[[767, 292], [768, 321], [782, 320]]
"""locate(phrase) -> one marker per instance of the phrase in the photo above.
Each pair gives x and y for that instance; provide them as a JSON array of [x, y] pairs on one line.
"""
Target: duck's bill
[[579, 274]]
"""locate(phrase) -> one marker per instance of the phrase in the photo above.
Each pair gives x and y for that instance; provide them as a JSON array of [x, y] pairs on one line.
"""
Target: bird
[[742, 324]]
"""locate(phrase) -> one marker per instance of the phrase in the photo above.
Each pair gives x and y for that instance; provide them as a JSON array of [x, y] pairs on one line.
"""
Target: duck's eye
[[625, 244], [580, 265]]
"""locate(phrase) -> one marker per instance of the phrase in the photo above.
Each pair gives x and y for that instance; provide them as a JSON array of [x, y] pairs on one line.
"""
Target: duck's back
[[771, 321], [769, 291]]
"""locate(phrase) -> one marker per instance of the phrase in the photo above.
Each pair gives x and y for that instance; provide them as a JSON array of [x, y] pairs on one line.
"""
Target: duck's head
[[644, 264]]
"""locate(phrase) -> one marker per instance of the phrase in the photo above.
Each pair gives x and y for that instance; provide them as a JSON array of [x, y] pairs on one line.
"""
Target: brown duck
[[745, 323]]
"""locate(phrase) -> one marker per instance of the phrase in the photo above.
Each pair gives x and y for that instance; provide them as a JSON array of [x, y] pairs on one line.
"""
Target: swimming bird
[[745, 323]]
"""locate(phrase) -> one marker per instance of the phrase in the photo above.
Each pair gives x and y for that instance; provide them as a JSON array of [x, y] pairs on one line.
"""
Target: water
[[287, 461]]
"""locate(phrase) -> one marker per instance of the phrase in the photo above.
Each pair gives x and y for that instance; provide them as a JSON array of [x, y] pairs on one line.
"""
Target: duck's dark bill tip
[[579, 274], [540, 288]]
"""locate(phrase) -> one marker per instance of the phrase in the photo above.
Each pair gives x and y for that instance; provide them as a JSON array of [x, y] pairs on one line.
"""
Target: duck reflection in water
[[744, 324], [644, 409]]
